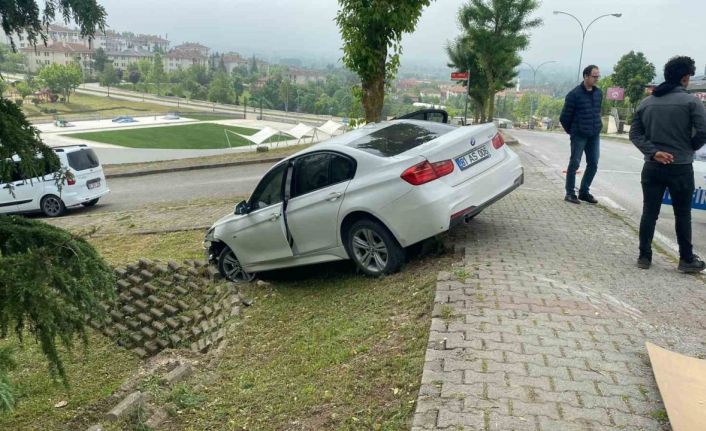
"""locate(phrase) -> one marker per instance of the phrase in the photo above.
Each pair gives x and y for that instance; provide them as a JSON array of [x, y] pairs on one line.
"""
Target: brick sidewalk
[[543, 325]]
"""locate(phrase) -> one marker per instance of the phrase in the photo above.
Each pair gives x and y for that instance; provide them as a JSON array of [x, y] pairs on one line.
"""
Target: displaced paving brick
[[145, 263], [135, 279], [185, 320], [180, 290], [146, 275], [157, 418], [173, 265], [132, 268], [120, 272], [207, 311], [142, 305], [151, 347], [179, 277], [116, 315], [162, 343], [128, 309], [127, 406], [159, 326], [132, 324], [166, 283], [154, 300], [178, 374], [123, 285]]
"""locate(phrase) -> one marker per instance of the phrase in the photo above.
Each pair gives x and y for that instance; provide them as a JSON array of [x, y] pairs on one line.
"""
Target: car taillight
[[498, 141], [424, 172]]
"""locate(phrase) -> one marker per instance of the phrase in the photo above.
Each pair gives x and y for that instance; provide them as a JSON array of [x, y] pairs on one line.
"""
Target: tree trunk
[[491, 108], [373, 98]]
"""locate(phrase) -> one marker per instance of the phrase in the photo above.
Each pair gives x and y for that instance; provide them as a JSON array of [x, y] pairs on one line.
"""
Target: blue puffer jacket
[[581, 114]]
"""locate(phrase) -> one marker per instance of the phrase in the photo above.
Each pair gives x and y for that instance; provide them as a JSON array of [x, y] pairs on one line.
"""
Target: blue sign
[[698, 200]]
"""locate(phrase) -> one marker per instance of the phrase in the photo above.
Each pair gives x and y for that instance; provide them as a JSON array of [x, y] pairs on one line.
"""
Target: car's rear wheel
[[90, 203], [373, 248], [230, 268], [52, 206]]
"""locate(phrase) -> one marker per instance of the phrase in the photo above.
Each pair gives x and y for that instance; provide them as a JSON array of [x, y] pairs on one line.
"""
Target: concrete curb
[[192, 167]]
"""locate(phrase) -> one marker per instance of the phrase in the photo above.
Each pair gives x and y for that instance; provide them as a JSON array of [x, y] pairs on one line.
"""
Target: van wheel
[[90, 203], [373, 248], [52, 206], [230, 268]]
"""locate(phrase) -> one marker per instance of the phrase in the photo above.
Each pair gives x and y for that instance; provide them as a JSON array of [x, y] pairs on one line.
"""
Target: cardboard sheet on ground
[[682, 383]]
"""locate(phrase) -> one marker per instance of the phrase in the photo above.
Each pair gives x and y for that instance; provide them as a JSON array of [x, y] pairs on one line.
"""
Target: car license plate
[[472, 157], [94, 184]]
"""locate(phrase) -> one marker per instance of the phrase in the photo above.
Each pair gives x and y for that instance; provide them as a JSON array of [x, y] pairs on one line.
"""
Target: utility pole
[[468, 87]]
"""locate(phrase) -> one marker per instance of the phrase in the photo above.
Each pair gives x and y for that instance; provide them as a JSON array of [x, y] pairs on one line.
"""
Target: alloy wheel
[[370, 250]]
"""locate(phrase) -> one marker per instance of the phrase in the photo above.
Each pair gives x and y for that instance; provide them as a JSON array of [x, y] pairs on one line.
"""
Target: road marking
[[611, 203], [611, 171]]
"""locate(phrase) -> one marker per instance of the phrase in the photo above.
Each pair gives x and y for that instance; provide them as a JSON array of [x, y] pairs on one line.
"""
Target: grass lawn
[[320, 348], [208, 117], [190, 136], [105, 106]]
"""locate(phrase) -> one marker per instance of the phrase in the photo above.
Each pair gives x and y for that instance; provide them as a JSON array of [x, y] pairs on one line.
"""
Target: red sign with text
[[615, 93], [459, 76]]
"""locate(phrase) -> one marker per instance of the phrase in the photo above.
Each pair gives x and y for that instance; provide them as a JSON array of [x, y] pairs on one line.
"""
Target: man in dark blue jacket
[[581, 119]]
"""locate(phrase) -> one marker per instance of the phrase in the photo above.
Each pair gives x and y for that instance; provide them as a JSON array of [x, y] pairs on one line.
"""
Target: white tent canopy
[[261, 136], [331, 127], [301, 131]]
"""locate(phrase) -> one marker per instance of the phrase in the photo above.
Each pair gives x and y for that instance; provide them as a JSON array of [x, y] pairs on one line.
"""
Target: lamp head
[[556, 12], [617, 15]]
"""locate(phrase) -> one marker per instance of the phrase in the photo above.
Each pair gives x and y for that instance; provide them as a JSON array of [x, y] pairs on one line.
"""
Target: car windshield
[[82, 159], [399, 137]]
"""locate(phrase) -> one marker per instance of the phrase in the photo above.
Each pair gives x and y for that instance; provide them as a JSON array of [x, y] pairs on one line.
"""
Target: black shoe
[[588, 198], [695, 265], [572, 198], [644, 262]]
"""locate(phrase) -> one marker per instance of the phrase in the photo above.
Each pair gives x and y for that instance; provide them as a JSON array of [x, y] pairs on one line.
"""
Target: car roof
[[69, 148]]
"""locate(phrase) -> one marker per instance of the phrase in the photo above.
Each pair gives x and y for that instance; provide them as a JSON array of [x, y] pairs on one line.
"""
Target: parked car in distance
[[85, 185], [365, 195]]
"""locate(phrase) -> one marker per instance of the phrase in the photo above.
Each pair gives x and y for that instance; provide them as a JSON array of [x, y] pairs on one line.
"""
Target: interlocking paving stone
[[552, 317]]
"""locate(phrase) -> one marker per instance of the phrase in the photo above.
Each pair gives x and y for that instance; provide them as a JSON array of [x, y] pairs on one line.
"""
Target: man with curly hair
[[668, 127]]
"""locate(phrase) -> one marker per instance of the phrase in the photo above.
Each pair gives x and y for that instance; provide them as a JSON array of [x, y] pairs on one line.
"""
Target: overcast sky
[[305, 28]]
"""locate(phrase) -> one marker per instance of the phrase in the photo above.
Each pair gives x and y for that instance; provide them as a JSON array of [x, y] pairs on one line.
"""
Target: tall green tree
[[633, 72], [463, 59], [157, 75], [50, 280], [496, 31], [100, 58], [61, 79], [109, 76], [372, 33], [221, 89], [238, 87]]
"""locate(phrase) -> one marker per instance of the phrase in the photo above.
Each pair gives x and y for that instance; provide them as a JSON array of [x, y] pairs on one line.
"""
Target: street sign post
[[462, 76]]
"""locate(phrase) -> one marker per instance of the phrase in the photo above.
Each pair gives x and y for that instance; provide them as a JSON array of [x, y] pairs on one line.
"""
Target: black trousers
[[679, 179]]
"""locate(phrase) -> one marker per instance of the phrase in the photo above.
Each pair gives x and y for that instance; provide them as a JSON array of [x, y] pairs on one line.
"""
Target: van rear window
[[400, 137], [82, 159]]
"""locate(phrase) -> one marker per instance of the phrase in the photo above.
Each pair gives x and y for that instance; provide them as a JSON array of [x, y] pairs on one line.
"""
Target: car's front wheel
[[90, 203], [230, 268], [52, 206], [373, 248]]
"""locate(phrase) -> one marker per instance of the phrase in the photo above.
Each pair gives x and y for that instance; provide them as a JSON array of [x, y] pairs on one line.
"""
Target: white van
[[84, 186]]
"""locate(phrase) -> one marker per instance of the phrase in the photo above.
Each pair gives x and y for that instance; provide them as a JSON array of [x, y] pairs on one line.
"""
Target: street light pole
[[585, 30], [534, 84]]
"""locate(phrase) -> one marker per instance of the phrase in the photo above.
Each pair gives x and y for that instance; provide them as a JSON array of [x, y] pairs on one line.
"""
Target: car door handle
[[275, 216], [333, 196]]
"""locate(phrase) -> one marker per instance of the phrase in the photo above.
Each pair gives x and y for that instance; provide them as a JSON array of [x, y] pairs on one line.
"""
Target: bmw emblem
[[473, 141]]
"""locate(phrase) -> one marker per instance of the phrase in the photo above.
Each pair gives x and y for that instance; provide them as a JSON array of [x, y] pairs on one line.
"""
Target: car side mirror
[[241, 208]]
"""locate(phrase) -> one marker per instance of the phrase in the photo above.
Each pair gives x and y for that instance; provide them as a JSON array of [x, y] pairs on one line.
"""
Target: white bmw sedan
[[365, 195]]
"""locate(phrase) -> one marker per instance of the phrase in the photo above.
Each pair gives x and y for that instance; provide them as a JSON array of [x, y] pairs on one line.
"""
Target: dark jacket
[[673, 121], [581, 114]]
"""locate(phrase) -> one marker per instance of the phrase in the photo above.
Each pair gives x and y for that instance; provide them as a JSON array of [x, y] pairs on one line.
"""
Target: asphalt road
[[133, 192], [617, 180]]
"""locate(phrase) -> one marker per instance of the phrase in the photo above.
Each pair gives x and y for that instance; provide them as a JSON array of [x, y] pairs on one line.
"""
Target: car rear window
[[82, 159], [399, 137]]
